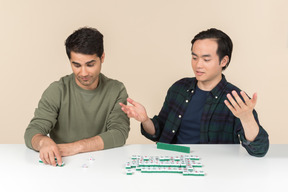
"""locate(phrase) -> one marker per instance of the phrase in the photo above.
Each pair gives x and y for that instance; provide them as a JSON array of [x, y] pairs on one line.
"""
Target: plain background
[[147, 46]]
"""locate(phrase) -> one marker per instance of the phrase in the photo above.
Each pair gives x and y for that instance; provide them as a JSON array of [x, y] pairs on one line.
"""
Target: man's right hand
[[136, 110], [47, 148]]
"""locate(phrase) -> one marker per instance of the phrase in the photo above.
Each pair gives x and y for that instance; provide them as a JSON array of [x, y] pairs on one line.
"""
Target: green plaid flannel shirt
[[218, 124]]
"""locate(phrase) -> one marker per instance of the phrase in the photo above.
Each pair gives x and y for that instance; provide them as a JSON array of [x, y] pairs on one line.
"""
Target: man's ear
[[102, 57], [224, 61]]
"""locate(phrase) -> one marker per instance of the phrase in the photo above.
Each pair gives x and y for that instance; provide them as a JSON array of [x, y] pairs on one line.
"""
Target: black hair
[[225, 45], [85, 40]]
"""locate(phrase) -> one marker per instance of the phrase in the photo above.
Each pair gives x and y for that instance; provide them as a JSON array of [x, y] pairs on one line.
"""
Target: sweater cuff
[[29, 134]]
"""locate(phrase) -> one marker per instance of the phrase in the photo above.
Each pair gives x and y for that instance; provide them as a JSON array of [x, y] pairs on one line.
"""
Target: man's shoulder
[[230, 87], [107, 82], [67, 79], [61, 83], [185, 82]]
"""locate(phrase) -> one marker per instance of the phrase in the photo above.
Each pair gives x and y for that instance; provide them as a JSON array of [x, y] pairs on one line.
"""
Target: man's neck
[[209, 85]]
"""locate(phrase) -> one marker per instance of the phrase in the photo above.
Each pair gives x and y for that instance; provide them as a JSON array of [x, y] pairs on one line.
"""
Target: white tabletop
[[228, 168]]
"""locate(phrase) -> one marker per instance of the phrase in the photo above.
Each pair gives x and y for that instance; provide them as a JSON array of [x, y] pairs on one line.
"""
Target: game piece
[[146, 158], [134, 157], [194, 173], [84, 166], [60, 165], [40, 161], [128, 165], [91, 159], [134, 164], [173, 147], [176, 158], [192, 157], [129, 172]]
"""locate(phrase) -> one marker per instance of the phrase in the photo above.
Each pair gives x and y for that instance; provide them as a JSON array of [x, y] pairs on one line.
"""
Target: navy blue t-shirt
[[189, 131]]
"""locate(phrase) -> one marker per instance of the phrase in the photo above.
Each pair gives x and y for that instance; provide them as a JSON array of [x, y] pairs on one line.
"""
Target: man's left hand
[[240, 109]]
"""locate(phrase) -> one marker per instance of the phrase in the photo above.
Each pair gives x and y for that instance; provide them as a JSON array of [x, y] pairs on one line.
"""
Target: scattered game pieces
[[173, 147], [187, 165], [63, 163]]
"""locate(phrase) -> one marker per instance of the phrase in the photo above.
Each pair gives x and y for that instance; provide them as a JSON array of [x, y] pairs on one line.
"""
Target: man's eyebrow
[[201, 55], [88, 62], [75, 63], [91, 61]]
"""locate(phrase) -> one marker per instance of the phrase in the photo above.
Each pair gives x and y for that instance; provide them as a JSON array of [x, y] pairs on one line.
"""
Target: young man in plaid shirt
[[205, 109]]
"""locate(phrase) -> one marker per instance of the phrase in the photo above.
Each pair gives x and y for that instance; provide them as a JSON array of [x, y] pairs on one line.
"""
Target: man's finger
[[52, 159], [246, 98], [238, 99], [229, 106], [233, 102], [42, 157], [254, 99], [47, 159], [123, 107], [131, 101], [58, 157], [121, 104]]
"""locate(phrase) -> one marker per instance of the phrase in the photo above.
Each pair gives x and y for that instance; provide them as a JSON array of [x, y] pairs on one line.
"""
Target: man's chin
[[86, 84]]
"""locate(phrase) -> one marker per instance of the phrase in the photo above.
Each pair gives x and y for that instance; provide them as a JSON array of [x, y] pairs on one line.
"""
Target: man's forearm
[[92, 144], [85, 145], [251, 128]]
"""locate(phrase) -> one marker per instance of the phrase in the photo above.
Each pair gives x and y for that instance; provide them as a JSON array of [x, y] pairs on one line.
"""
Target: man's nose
[[84, 71], [199, 63]]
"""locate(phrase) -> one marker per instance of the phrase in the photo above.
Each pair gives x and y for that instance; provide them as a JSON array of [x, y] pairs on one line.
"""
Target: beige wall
[[147, 45]]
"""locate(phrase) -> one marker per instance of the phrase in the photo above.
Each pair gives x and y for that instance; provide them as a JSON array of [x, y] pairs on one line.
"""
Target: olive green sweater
[[69, 113]]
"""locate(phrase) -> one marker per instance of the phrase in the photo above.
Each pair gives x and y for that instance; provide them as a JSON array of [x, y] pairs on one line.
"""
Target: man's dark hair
[[85, 40], [224, 42]]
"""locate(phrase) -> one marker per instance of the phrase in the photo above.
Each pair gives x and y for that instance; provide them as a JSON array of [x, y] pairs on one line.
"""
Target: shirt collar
[[192, 85], [216, 91]]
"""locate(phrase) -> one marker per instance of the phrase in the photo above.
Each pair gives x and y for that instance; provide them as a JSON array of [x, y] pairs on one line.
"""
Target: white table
[[228, 167]]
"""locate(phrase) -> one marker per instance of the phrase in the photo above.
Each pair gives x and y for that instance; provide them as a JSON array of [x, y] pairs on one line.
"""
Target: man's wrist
[[247, 118], [147, 119], [37, 141]]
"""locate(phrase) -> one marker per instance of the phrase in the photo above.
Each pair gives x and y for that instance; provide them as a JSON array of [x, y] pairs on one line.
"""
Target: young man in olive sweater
[[80, 112]]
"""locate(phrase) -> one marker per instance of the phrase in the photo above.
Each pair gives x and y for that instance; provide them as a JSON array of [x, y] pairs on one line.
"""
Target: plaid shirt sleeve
[[260, 145]]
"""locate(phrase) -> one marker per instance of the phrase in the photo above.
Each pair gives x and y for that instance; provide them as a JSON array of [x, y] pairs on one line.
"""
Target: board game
[[187, 165]]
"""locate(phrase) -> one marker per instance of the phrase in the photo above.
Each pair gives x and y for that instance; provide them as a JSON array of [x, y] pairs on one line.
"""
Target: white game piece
[[91, 159], [84, 166], [134, 164], [128, 165], [129, 172], [176, 158], [146, 158], [134, 157]]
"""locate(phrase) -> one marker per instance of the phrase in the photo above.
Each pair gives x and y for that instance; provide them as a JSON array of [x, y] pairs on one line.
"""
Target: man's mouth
[[84, 78], [199, 72]]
